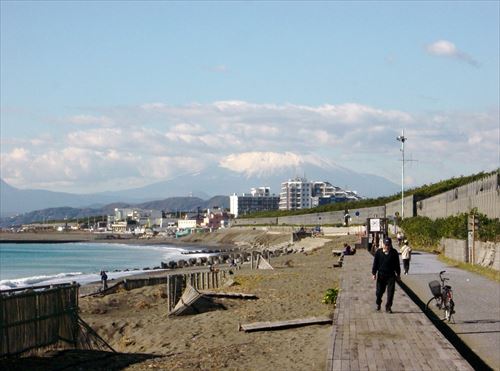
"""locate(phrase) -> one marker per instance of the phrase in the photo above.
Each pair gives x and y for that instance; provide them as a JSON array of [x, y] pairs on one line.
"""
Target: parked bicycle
[[443, 295]]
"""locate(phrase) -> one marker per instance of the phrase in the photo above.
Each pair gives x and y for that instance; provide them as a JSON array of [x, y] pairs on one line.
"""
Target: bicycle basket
[[435, 287]]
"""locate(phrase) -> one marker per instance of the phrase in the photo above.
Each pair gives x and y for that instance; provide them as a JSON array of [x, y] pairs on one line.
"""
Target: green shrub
[[421, 231], [330, 296], [426, 233]]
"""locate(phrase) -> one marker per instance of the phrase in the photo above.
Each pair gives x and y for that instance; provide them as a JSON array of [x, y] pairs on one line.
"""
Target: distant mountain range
[[168, 205], [203, 185]]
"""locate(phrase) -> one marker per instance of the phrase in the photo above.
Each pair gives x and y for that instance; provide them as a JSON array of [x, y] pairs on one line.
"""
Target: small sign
[[356, 213], [374, 225]]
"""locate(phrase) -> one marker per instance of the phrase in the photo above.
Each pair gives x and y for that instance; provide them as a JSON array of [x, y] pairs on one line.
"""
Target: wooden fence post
[[168, 293]]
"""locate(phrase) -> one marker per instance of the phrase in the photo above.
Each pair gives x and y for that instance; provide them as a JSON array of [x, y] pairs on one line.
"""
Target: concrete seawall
[[486, 254]]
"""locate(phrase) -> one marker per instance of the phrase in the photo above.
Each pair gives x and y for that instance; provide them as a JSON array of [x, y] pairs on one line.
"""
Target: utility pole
[[402, 139]]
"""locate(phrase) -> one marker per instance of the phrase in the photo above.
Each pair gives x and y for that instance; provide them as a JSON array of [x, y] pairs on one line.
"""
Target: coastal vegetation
[[330, 296], [425, 232]]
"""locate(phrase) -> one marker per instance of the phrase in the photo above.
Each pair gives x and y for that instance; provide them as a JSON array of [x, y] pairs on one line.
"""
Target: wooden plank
[[236, 295], [260, 326], [189, 296]]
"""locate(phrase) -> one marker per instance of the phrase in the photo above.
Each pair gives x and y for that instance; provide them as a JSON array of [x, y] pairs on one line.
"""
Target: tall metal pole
[[402, 139]]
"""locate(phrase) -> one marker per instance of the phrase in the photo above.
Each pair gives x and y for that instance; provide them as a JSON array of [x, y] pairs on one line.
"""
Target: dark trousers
[[384, 282], [406, 265]]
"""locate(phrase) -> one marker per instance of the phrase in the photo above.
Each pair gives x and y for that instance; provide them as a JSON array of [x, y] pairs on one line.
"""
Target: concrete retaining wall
[[395, 206], [333, 217], [328, 218], [254, 221], [487, 254], [483, 194], [455, 249]]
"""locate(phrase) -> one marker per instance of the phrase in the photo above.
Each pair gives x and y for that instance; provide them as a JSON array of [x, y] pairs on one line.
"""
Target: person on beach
[[386, 270], [104, 280], [347, 249], [406, 256]]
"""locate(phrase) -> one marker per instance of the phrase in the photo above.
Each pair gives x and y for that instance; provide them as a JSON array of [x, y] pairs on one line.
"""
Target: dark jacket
[[386, 264]]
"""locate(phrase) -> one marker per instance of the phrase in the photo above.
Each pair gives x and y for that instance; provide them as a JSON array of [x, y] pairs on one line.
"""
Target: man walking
[[386, 270]]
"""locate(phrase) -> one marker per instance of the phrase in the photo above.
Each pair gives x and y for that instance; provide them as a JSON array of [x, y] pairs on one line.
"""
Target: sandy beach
[[136, 323]]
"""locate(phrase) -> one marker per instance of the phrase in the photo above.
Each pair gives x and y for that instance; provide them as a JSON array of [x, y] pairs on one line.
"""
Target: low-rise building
[[215, 219], [186, 223]]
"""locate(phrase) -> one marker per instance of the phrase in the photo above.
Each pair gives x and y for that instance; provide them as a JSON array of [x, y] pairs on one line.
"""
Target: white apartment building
[[295, 194], [260, 199], [299, 193]]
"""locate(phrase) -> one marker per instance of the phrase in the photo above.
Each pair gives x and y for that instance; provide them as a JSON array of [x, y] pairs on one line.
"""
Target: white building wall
[[186, 223], [295, 194], [233, 205]]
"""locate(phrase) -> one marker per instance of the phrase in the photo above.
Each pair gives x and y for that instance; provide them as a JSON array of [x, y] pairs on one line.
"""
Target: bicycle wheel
[[447, 313], [452, 306], [427, 305]]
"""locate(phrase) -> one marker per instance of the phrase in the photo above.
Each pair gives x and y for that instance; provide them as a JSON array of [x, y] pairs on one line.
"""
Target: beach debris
[[280, 325], [193, 301], [262, 263], [339, 262], [232, 295], [230, 282]]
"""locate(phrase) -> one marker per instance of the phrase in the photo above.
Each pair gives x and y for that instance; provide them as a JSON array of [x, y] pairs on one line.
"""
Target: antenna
[[402, 139]]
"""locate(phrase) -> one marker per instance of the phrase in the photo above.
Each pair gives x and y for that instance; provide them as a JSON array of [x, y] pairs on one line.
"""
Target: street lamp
[[402, 139]]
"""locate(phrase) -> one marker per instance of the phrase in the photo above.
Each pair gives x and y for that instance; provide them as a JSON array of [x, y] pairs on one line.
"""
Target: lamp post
[[402, 139]]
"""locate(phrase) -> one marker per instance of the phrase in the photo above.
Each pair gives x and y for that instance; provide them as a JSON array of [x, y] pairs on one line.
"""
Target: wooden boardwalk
[[364, 339]]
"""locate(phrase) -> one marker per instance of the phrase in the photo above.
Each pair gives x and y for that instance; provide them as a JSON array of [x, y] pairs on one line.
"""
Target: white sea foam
[[38, 280], [166, 252], [81, 278]]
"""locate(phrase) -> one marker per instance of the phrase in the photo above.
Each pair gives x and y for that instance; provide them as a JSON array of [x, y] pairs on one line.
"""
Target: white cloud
[[91, 120], [160, 140], [444, 48], [188, 128], [220, 68], [17, 154]]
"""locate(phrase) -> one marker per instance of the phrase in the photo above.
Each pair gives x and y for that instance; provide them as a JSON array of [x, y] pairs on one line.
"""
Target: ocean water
[[27, 264]]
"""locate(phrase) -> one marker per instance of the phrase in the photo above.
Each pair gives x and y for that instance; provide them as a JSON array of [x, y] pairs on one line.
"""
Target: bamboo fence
[[38, 317], [43, 316], [198, 280]]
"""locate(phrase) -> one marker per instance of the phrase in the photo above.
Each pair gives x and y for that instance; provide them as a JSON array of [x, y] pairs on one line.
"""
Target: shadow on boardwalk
[[364, 339]]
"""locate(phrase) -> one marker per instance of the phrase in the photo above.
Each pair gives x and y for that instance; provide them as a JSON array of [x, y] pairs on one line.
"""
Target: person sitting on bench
[[347, 250]]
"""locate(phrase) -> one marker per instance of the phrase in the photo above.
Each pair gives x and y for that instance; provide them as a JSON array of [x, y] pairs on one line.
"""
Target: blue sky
[[91, 91]]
